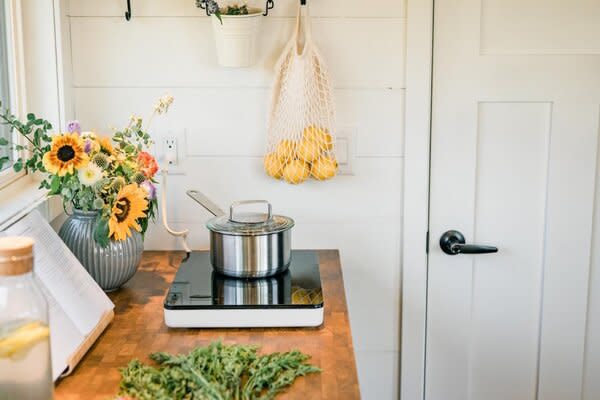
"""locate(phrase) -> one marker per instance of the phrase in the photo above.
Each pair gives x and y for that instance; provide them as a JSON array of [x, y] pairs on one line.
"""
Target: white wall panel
[[369, 194], [165, 51], [215, 127], [377, 374], [161, 8]]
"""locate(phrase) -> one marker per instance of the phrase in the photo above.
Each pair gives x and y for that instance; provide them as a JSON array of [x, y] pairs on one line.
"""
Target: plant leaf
[[18, 166], [55, 185], [101, 232]]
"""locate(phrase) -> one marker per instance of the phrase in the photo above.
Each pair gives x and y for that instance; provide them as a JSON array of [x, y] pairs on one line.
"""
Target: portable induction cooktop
[[201, 298]]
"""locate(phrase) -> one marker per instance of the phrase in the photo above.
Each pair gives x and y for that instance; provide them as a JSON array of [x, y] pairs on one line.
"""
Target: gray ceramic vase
[[111, 267]]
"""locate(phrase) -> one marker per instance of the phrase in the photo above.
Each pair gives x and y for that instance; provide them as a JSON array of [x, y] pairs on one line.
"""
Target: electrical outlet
[[171, 152], [171, 155], [344, 150]]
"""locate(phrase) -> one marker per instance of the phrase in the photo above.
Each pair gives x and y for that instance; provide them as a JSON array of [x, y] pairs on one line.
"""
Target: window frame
[[16, 78]]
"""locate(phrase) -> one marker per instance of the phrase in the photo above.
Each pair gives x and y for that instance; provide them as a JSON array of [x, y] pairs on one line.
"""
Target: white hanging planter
[[237, 38]]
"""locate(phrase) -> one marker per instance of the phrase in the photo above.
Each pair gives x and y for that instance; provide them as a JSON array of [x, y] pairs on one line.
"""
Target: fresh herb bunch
[[213, 8], [216, 372]]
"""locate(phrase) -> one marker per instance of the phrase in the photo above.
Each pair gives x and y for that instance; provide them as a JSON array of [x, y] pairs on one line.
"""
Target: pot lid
[[250, 223]]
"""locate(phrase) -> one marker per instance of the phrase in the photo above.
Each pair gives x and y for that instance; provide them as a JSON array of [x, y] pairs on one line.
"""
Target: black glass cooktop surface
[[198, 286]]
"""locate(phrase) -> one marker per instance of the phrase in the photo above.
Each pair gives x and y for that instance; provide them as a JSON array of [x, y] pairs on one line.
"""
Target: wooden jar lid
[[16, 255]]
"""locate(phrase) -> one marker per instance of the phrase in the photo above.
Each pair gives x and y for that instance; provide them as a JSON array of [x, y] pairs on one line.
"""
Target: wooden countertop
[[138, 329]]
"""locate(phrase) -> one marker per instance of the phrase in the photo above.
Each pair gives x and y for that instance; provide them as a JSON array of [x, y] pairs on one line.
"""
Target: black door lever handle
[[453, 243]]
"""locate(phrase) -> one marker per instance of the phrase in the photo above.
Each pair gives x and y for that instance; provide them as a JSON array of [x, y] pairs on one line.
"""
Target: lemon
[[324, 168], [23, 338], [309, 150], [325, 140], [273, 165], [310, 133], [296, 171], [286, 150], [319, 135]]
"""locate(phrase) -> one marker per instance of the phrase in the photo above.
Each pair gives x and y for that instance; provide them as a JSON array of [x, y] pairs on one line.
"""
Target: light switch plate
[[345, 149]]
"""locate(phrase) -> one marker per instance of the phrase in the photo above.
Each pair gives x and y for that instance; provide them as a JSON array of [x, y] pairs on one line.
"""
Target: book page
[[72, 288], [64, 335]]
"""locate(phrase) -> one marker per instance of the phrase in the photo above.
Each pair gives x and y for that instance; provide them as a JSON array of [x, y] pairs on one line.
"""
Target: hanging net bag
[[301, 137]]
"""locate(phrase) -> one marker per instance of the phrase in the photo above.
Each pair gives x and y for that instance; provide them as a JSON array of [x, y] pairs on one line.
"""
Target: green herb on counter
[[218, 372]]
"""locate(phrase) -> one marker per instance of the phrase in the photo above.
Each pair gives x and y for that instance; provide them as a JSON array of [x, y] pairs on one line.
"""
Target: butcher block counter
[[138, 329]]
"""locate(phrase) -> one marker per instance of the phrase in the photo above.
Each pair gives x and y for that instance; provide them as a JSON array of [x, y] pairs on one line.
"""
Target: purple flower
[[150, 189], [87, 147], [74, 127]]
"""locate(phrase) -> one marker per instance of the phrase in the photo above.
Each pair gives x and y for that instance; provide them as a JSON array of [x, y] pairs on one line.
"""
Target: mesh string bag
[[301, 137]]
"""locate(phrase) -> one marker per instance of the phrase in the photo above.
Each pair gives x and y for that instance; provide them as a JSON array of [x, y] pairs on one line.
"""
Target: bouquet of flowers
[[113, 175]]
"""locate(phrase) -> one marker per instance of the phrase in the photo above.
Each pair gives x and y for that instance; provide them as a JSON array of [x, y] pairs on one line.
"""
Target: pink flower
[[74, 126], [147, 164], [150, 189], [87, 147]]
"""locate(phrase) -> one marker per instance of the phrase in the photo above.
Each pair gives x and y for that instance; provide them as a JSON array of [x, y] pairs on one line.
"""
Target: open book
[[79, 310]]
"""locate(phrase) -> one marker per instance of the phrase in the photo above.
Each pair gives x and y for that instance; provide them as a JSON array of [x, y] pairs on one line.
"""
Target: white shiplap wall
[[219, 116]]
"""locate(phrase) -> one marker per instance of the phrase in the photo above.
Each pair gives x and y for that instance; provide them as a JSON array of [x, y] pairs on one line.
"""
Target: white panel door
[[514, 160]]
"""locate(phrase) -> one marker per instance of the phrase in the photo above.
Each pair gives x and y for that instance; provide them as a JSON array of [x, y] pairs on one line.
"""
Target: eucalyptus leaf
[[55, 185], [18, 166]]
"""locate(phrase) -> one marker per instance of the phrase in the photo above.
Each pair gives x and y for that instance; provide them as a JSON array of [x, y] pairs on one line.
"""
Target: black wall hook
[[128, 12], [270, 4]]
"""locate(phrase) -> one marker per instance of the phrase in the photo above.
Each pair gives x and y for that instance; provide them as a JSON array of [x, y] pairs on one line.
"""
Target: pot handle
[[245, 202], [205, 202]]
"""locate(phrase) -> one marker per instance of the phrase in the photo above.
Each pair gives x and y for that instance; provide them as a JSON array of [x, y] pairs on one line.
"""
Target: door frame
[[417, 138]]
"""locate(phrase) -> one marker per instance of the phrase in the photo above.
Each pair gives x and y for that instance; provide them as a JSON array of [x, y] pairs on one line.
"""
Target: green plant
[[216, 372], [213, 8], [112, 175], [237, 10]]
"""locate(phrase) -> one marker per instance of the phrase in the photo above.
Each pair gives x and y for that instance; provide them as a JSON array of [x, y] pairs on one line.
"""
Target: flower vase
[[111, 266], [237, 38]]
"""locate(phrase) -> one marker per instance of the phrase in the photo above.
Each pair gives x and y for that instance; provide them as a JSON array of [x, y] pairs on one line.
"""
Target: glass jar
[[25, 366]]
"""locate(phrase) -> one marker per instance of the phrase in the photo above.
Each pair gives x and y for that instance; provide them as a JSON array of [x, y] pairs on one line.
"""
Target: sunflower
[[129, 207], [106, 145], [65, 155]]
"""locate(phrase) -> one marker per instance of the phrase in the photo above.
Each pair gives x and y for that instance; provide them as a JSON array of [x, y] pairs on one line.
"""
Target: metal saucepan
[[252, 292], [247, 244]]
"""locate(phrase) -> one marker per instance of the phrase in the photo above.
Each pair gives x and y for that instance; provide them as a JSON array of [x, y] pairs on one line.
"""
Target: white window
[[10, 91]]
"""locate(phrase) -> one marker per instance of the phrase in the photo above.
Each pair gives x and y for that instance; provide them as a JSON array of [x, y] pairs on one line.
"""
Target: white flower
[[89, 135], [135, 120], [90, 174], [163, 104]]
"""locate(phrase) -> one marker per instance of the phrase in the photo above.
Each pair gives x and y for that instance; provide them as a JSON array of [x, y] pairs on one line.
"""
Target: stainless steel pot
[[247, 244], [252, 292]]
